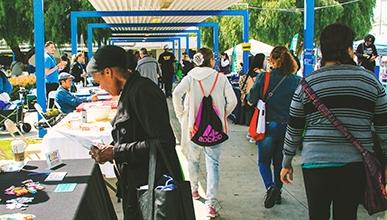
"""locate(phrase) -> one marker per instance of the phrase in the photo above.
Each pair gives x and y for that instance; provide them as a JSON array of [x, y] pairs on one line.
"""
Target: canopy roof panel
[[130, 5]]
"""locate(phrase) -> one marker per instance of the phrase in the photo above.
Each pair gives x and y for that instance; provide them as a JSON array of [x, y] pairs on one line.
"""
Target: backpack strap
[[212, 87]]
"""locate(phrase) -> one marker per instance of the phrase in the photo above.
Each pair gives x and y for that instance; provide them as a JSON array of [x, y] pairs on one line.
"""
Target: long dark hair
[[335, 40], [225, 54], [285, 61], [207, 56]]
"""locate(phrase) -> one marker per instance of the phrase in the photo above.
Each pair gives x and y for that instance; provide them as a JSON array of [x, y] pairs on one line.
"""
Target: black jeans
[[342, 186], [167, 79]]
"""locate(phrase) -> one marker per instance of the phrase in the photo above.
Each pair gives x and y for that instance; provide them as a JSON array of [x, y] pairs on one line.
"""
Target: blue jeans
[[270, 152], [212, 155]]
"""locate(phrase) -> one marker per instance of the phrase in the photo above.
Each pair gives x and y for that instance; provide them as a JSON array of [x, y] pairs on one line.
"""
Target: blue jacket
[[67, 101], [277, 107]]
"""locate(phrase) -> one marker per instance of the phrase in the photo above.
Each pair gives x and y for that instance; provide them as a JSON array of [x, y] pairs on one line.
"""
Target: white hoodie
[[223, 95]]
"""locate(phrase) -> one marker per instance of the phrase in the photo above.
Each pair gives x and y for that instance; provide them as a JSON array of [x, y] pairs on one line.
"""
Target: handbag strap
[[155, 148], [212, 87], [323, 109], [271, 93]]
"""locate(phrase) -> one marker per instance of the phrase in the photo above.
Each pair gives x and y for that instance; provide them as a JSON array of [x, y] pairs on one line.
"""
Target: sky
[[380, 4]]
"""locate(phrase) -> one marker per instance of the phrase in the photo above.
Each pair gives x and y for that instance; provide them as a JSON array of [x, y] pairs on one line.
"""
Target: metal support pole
[[246, 40], [308, 37], [39, 57], [187, 44], [199, 41], [74, 32], [216, 47]]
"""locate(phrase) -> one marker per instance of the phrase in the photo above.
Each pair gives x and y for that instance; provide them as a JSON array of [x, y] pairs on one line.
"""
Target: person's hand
[[286, 175], [94, 98], [62, 64], [84, 74], [102, 153], [373, 58], [366, 55]]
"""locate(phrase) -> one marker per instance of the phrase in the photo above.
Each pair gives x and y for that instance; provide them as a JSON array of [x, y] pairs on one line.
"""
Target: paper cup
[[18, 147]]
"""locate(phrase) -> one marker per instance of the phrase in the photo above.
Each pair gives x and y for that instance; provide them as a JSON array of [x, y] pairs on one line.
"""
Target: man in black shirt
[[166, 60], [366, 53]]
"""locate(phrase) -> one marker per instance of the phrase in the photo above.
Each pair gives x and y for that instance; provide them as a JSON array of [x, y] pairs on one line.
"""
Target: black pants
[[167, 78], [51, 87], [342, 186]]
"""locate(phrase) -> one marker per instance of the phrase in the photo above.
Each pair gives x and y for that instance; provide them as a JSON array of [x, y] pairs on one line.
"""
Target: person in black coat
[[65, 58], [187, 64], [142, 120], [77, 68], [167, 61]]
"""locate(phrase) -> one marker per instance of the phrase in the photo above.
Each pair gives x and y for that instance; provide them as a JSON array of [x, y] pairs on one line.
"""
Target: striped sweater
[[355, 97]]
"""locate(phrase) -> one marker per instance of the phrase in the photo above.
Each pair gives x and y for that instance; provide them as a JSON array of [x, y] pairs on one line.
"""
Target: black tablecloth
[[89, 200]]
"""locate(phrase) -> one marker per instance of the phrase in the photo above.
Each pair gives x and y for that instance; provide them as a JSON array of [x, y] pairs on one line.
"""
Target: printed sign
[[53, 159]]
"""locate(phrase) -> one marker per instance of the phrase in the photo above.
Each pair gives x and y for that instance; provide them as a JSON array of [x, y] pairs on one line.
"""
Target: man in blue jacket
[[68, 102]]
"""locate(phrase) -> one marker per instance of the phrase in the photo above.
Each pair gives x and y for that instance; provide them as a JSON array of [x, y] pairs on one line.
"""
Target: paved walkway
[[242, 192]]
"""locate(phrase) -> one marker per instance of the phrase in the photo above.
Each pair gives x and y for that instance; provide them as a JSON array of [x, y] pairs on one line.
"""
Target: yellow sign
[[246, 46]]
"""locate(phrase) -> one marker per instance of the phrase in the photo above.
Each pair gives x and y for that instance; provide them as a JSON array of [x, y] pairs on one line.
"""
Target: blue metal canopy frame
[[180, 13], [145, 32], [186, 36], [90, 27], [159, 39], [173, 37], [144, 35], [39, 33]]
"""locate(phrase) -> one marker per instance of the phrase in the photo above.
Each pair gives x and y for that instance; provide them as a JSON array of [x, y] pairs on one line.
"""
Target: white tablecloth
[[70, 149]]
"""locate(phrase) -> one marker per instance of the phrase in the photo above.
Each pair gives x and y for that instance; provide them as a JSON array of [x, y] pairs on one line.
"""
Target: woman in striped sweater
[[332, 167]]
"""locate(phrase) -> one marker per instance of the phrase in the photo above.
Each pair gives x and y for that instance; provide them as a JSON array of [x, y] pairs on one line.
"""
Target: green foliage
[[277, 27], [16, 19], [359, 16]]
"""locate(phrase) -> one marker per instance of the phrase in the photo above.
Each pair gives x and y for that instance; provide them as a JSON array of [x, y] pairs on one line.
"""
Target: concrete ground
[[241, 191]]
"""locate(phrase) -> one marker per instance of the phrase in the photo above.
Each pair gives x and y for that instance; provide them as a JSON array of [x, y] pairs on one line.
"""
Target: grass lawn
[[5, 147]]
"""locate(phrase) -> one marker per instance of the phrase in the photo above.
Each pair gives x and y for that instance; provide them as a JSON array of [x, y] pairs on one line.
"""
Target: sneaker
[[195, 195], [271, 197], [211, 212]]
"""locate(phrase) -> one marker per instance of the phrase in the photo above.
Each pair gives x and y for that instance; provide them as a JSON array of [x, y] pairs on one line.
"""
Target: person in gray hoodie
[[148, 66]]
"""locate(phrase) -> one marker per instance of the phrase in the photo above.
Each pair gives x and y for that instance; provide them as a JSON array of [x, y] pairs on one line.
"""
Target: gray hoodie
[[149, 67]]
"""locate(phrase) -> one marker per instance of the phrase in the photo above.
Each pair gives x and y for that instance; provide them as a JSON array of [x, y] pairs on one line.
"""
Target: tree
[[16, 24], [275, 22], [16, 19]]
